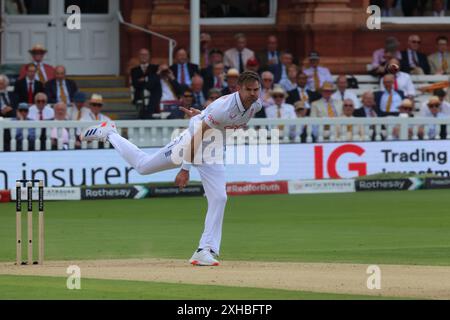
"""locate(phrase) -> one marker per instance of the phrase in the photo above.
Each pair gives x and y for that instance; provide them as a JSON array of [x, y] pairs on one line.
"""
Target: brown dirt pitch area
[[428, 282]]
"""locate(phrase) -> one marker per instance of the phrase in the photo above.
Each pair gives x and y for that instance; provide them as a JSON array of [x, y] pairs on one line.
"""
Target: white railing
[[156, 133], [172, 42]]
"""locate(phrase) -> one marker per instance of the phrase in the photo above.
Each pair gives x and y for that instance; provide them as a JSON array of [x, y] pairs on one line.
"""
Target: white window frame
[[416, 20], [271, 19]]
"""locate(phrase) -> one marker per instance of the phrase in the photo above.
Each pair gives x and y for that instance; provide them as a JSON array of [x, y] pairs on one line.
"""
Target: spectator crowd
[[289, 88]]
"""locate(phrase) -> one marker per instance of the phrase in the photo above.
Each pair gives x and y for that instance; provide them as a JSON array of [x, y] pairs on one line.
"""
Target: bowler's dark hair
[[248, 76]]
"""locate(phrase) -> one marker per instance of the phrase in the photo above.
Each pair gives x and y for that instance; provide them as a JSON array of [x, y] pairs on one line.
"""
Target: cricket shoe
[[203, 257], [99, 132]]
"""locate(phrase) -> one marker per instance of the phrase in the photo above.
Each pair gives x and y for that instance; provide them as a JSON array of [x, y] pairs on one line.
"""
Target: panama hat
[[278, 90], [38, 48], [406, 103], [328, 86], [233, 73], [434, 100], [96, 98]]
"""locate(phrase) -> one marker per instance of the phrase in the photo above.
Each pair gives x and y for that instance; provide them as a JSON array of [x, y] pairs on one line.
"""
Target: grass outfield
[[380, 228], [26, 287]]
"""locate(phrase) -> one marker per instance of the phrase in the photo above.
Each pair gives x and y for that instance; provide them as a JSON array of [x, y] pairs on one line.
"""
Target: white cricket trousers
[[212, 176]]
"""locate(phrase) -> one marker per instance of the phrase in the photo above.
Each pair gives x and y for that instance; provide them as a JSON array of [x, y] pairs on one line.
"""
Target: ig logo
[[374, 280], [74, 20], [74, 279], [374, 21]]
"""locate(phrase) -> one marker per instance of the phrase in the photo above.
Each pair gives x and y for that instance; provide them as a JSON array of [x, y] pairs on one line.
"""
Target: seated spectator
[[345, 133], [281, 110], [60, 136], [270, 56], [440, 60], [164, 89], [215, 56], [252, 65], [388, 100], [413, 61], [26, 88], [78, 110], [326, 106], [197, 91], [8, 100], [140, 76], [302, 92], [343, 93], [205, 43], [41, 110], [60, 89], [96, 105], [44, 72], [301, 111], [434, 131], [290, 83], [438, 7], [266, 88], [186, 101], [280, 70], [381, 56], [213, 95], [317, 75], [232, 82], [444, 105], [238, 56], [368, 108], [22, 115], [182, 68], [402, 82], [217, 78]]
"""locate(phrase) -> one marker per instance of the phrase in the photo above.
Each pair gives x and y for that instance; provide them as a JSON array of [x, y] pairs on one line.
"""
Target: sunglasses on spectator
[[267, 79], [188, 95], [434, 106], [23, 110], [416, 41], [41, 101], [348, 105], [96, 104], [300, 109], [278, 96]]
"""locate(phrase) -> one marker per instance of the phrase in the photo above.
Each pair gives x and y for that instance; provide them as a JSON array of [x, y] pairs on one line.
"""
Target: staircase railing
[[172, 42]]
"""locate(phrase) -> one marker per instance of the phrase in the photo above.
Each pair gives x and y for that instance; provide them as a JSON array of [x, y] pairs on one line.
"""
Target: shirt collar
[[239, 102]]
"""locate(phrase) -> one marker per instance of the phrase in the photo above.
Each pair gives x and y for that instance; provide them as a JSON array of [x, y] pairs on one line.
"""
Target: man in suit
[[326, 106], [368, 106], [302, 93], [200, 95], [388, 101], [279, 70], [8, 100], [139, 74], [216, 79], [271, 55], [60, 89], [440, 60], [413, 61], [215, 56], [26, 88], [164, 89], [237, 57], [44, 72], [368, 110], [182, 69]]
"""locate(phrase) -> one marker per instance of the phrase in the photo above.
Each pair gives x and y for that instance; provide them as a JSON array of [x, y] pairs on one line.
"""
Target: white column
[[195, 31]]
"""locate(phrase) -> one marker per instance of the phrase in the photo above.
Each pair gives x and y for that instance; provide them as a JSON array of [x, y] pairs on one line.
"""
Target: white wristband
[[186, 165]]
